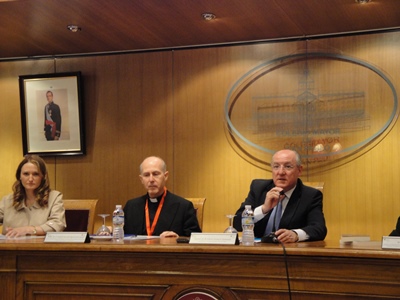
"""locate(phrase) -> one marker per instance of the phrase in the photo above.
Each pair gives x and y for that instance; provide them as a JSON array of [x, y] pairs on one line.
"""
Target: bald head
[[153, 160], [153, 175]]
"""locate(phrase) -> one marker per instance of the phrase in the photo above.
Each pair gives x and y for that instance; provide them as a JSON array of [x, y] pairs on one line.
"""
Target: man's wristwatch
[[34, 230]]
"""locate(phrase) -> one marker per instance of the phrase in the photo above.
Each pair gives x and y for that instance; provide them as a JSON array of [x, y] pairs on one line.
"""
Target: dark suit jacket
[[303, 211], [396, 232], [177, 214]]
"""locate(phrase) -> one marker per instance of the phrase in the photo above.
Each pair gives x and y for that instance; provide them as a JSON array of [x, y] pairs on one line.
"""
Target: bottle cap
[[247, 206], [118, 206]]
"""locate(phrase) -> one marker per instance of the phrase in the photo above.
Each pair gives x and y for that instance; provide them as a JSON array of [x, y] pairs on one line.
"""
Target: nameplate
[[67, 237], [391, 242], [214, 238]]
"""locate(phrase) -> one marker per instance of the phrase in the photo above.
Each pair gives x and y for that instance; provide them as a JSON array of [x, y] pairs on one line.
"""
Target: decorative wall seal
[[328, 107]]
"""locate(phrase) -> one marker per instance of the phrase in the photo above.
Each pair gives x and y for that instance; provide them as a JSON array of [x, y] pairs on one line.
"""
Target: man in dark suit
[[52, 119], [302, 216], [159, 212]]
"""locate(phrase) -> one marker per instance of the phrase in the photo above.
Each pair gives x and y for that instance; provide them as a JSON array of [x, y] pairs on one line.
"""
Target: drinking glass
[[103, 230], [230, 228]]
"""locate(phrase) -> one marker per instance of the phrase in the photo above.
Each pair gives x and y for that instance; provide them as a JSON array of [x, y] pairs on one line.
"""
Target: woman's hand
[[19, 231]]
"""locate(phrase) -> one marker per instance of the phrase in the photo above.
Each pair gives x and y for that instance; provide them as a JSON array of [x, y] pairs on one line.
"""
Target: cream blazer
[[49, 218]]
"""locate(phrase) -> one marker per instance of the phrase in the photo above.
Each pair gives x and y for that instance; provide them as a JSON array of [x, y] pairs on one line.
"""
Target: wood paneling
[[128, 117], [171, 104], [10, 120], [163, 269]]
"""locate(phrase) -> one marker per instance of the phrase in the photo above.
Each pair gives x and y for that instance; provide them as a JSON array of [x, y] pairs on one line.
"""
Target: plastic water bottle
[[248, 226], [118, 224]]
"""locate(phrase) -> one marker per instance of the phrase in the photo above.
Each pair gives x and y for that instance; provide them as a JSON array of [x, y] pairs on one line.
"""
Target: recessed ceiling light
[[362, 1], [208, 16], [74, 28]]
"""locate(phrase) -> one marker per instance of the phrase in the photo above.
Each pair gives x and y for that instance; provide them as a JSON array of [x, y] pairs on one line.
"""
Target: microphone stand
[[272, 238]]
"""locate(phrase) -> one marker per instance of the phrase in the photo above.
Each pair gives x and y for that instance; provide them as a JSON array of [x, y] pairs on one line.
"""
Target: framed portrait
[[52, 114]]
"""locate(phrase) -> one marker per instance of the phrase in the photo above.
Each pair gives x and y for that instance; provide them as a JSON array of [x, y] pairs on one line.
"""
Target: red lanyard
[[150, 231]]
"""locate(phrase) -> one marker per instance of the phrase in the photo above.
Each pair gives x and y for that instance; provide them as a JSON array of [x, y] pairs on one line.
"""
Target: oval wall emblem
[[326, 106]]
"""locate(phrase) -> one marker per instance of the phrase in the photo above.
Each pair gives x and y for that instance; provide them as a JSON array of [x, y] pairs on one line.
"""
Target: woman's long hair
[[42, 192]]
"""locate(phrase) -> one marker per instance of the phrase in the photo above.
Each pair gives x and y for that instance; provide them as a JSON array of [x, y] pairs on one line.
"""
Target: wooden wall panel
[[171, 104], [206, 163], [361, 195], [10, 121], [128, 112]]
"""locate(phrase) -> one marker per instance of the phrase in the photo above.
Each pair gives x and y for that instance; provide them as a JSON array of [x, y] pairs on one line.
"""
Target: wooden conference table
[[163, 269]]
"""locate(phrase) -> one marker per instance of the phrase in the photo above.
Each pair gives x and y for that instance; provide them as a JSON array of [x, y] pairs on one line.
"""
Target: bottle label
[[249, 220], [118, 220]]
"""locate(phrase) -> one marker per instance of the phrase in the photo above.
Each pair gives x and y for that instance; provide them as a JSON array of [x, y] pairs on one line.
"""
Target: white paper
[[213, 238], [65, 237], [25, 237], [391, 242]]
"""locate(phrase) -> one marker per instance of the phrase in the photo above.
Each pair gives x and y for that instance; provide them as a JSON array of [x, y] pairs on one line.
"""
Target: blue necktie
[[275, 216], [278, 214]]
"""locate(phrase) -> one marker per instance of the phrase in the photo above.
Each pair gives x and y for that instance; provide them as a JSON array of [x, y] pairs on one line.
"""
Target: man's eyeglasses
[[287, 168]]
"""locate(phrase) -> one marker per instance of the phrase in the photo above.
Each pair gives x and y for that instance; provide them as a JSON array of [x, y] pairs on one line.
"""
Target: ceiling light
[[208, 16], [362, 1], [74, 28]]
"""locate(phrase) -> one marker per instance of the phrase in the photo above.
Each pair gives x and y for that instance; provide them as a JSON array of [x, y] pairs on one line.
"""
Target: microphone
[[272, 238]]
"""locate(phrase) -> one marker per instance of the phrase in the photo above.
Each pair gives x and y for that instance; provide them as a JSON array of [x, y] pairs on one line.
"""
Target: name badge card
[[391, 242], [67, 237], [214, 238]]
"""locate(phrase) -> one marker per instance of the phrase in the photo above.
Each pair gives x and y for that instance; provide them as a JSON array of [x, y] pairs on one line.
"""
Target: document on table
[[25, 237]]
